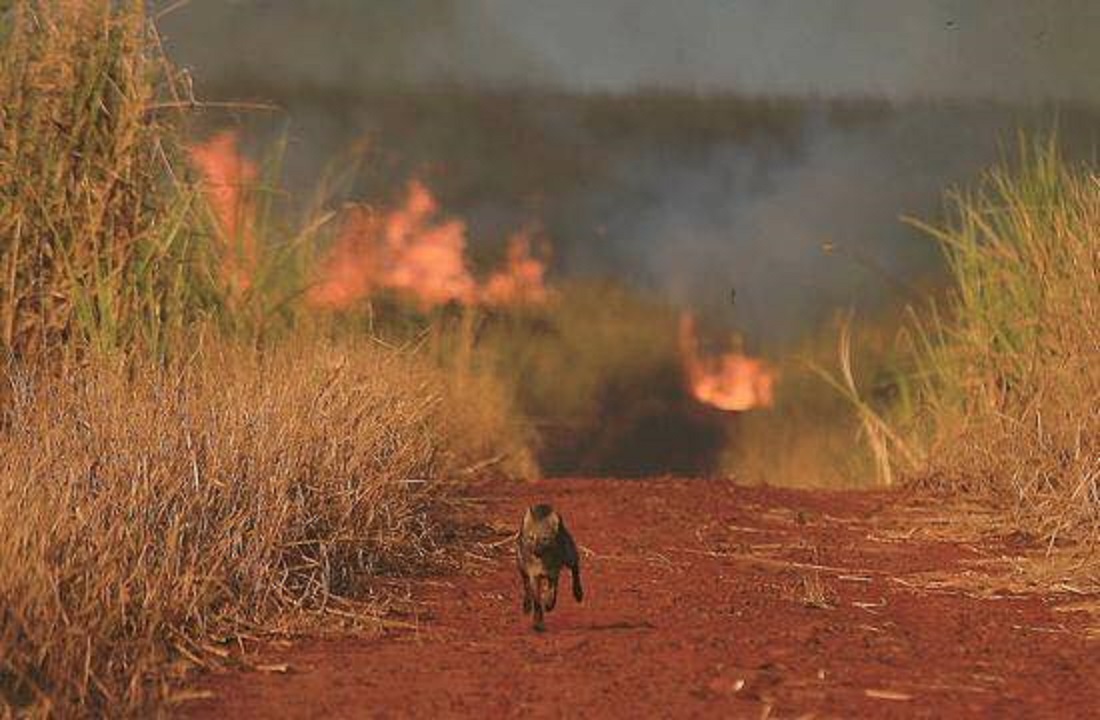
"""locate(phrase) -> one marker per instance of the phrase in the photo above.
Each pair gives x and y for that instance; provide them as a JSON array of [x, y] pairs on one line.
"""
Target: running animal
[[543, 548]]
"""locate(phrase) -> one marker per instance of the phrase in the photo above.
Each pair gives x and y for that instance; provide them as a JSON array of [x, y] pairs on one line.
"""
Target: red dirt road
[[704, 600]]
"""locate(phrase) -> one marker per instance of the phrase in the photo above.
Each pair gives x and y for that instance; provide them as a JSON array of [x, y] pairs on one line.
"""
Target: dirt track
[[704, 600]]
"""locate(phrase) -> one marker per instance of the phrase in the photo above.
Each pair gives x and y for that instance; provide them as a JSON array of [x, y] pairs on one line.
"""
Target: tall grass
[[166, 478], [1009, 370], [264, 249], [992, 390], [95, 244]]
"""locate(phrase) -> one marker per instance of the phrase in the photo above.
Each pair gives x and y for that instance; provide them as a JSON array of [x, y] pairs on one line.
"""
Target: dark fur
[[543, 548]]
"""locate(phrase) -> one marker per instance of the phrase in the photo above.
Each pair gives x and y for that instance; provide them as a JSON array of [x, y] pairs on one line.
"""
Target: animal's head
[[540, 527]]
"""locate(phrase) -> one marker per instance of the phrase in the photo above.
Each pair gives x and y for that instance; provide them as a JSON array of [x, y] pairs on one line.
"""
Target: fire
[[731, 382], [413, 251], [522, 279], [423, 257], [227, 179]]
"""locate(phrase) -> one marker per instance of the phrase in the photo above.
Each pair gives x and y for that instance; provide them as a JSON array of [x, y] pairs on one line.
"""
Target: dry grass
[[161, 488], [1000, 399], [148, 509], [814, 593], [993, 394], [95, 247], [1010, 373]]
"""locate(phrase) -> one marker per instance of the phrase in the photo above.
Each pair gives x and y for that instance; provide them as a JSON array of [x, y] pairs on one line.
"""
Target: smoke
[[646, 138], [1008, 50], [791, 239]]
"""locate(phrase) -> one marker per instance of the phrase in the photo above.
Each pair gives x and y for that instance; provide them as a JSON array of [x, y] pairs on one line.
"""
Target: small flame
[[228, 178], [522, 279], [410, 250], [731, 382], [352, 264], [426, 258]]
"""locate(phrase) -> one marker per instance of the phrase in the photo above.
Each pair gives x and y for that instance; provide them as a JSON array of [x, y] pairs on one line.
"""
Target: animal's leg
[[573, 562], [537, 597], [553, 593], [526, 583]]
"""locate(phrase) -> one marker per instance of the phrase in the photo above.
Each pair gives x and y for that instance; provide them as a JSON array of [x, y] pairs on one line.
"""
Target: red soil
[[701, 603]]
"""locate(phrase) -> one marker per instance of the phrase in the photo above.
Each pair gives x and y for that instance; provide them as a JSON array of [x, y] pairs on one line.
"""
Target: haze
[[680, 147]]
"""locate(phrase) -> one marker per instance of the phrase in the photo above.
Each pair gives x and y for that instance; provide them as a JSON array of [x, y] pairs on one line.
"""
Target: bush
[[598, 372]]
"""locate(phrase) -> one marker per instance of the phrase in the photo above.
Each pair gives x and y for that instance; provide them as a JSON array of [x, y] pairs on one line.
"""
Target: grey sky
[[1015, 50]]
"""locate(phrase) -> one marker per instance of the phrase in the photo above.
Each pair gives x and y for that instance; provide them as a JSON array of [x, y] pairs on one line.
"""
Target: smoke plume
[[764, 148]]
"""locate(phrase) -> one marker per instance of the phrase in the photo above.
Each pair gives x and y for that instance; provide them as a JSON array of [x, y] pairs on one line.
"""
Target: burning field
[[416, 255], [412, 250], [247, 398]]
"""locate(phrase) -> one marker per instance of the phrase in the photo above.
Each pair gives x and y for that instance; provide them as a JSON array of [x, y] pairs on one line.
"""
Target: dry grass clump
[[814, 592], [94, 243], [1009, 375], [145, 509]]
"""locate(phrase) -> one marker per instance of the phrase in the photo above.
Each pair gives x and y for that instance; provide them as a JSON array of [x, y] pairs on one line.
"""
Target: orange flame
[[425, 258], [522, 279], [352, 263], [409, 250], [227, 179], [731, 382]]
